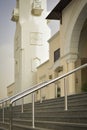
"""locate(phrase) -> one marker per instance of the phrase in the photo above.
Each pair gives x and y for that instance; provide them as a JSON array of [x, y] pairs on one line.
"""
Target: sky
[[7, 31]]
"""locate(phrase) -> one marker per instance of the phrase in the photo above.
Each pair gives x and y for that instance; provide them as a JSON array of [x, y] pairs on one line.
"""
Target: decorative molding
[[15, 15], [36, 38], [37, 7], [70, 57]]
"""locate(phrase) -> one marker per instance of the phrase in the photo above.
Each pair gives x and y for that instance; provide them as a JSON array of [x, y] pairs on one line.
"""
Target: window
[[58, 92], [56, 54], [50, 76]]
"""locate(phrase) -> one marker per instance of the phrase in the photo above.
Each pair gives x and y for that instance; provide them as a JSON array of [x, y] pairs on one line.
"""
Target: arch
[[76, 43], [74, 26], [82, 47], [77, 29]]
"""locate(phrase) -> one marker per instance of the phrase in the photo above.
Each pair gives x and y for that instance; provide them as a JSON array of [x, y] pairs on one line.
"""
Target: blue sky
[[6, 25], [7, 31]]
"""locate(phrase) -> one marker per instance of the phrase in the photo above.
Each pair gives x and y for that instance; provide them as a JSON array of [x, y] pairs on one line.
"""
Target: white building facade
[[30, 44]]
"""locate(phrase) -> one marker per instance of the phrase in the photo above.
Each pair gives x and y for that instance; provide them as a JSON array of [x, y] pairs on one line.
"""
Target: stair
[[50, 115]]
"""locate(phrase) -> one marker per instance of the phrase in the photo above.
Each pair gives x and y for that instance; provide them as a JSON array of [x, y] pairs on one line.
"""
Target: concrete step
[[74, 101], [50, 114], [57, 125], [69, 115], [45, 125]]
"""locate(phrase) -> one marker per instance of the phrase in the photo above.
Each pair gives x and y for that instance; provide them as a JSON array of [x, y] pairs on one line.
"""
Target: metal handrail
[[37, 87], [18, 94], [2, 101]]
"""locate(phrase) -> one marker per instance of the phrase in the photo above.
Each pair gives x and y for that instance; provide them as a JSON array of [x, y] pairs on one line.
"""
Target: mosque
[[40, 57]]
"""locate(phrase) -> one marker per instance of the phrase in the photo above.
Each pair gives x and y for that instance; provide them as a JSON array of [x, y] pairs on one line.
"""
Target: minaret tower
[[30, 44]]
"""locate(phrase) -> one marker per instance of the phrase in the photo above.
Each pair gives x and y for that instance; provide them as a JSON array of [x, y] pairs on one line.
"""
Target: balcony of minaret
[[37, 8], [15, 15]]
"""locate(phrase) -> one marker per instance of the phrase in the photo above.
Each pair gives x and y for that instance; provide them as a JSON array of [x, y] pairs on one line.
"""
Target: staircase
[[50, 115]]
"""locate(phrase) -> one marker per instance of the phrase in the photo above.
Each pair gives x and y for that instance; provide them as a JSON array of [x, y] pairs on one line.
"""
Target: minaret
[[30, 44]]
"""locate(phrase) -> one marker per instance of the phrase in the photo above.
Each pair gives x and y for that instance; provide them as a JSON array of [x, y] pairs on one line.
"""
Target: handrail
[[41, 85], [37, 87], [2, 101], [12, 97]]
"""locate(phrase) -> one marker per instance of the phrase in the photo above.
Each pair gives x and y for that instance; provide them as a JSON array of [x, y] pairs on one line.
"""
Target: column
[[71, 78]]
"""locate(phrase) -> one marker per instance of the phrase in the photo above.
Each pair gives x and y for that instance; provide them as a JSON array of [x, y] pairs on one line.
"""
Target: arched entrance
[[82, 59], [79, 45]]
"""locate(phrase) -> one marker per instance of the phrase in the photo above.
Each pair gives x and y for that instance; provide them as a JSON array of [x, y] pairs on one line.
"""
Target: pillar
[[71, 78]]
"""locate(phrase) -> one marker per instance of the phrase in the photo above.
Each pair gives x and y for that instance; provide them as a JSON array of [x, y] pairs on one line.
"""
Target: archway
[[79, 46], [82, 59]]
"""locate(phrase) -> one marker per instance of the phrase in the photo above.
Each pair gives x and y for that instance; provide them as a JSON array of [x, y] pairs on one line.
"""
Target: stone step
[[50, 114], [57, 125], [73, 101], [48, 125]]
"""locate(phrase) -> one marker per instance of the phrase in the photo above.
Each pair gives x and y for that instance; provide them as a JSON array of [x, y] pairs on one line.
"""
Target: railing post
[[11, 116], [33, 116], [22, 106], [3, 113], [65, 94], [40, 96]]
